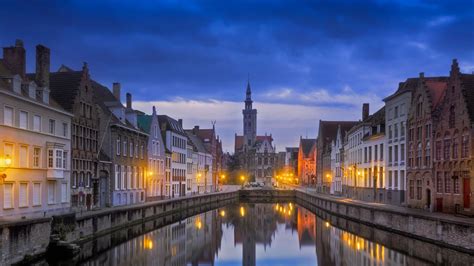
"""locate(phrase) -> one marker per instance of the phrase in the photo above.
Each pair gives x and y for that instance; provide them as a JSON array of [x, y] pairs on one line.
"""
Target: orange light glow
[[242, 211], [147, 243], [222, 213]]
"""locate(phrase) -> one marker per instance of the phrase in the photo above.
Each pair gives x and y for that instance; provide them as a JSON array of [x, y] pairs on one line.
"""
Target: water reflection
[[251, 234]]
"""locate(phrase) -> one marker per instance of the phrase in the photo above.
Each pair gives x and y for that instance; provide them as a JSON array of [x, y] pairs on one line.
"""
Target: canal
[[259, 234]]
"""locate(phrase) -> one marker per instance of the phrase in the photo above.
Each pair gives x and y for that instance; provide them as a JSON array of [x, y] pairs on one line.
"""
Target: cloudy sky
[[307, 60]]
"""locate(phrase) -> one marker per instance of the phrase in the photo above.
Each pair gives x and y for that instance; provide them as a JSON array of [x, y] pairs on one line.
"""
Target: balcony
[[55, 174]]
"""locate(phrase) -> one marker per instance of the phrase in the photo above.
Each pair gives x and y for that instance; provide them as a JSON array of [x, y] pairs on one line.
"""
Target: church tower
[[250, 119]]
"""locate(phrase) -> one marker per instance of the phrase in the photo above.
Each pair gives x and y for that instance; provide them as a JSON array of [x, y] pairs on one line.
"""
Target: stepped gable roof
[[196, 141], [171, 124], [467, 81], [436, 89], [307, 145]]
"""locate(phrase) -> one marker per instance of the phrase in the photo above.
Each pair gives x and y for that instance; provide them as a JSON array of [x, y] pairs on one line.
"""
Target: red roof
[[436, 89]]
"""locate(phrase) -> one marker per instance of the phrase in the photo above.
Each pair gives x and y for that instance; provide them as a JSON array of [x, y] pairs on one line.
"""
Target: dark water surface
[[262, 234]]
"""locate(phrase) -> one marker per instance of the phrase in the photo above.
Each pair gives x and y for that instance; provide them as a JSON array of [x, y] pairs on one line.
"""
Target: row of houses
[[67, 141], [415, 151]]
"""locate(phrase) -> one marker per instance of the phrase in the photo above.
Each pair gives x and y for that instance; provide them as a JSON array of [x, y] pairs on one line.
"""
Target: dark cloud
[[205, 49]]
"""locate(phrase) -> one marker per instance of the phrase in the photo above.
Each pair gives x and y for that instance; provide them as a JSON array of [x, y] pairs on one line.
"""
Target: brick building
[[306, 161], [453, 151], [73, 91], [427, 96]]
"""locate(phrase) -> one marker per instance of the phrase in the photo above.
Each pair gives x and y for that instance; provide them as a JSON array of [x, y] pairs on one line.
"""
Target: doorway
[[467, 193]]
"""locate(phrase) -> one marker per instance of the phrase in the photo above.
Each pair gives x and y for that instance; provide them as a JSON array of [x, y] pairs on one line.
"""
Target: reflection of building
[[306, 224], [256, 153]]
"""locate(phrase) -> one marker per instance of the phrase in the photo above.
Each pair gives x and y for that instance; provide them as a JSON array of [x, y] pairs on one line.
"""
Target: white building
[[176, 142], [35, 139], [337, 163], [397, 107], [364, 158], [202, 161]]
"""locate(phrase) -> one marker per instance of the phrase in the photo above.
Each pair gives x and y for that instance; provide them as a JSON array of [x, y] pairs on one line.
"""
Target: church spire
[[249, 91]]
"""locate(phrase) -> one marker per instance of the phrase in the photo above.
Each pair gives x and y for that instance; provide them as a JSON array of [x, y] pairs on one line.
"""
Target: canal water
[[262, 234]]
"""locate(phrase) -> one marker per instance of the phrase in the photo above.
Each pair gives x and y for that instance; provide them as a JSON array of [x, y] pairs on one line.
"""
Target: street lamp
[[242, 178], [5, 163]]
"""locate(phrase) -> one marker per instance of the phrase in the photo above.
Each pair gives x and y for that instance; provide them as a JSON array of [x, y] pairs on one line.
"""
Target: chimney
[[15, 58], [42, 65], [365, 111], [195, 130], [154, 110], [180, 122], [129, 100], [116, 90]]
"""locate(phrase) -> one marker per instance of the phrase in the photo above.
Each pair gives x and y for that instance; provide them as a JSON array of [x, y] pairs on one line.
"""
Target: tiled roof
[[436, 90], [328, 131], [307, 145], [239, 141], [171, 124], [196, 141], [64, 87]]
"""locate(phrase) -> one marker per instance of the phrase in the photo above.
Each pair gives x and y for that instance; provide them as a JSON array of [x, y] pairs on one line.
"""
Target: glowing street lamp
[[5, 163], [242, 211]]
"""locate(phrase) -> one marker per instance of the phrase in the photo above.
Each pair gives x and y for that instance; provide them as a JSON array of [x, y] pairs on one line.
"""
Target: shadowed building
[[307, 161], [256, 153]]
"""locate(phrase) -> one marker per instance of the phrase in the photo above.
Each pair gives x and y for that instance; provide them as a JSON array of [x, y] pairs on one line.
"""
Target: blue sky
[[307, 60]]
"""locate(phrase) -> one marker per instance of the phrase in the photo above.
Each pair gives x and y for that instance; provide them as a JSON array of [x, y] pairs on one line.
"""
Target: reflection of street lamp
[[5, 163]]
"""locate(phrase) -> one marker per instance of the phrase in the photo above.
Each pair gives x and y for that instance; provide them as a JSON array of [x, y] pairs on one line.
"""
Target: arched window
[[419, 106], [451, 117], [418, 155], [427, 154]]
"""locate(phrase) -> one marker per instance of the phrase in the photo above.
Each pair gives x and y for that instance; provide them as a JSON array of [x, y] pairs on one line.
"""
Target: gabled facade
[[73, 91], [453, 136], [124, 144], [326, 134], [200, 165], [337, 162], [306, 161], [176, 141], [35, 139], [427, 97], [155, 185]]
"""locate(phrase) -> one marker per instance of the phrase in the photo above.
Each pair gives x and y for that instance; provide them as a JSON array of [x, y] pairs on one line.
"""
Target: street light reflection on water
[[250, 234]]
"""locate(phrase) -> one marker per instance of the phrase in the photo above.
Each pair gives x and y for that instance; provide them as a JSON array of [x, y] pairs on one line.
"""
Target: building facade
[[35, 139], [423, 118], [397, 108], [453, 136], [73, 91], [337, 162], [125, 144], [201, 165], [176, 141], [306, 161], [156, 155], [256, 153]]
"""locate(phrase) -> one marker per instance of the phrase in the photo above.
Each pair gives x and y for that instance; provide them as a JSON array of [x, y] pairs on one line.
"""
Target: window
[[439, 183], [65, 159], [50, 159], [8, 151], [23, 120], [395, 179], [8, 195], [74, 180], [419, 106], [390, 179], [402, 129], [36, 194], [124, 151], [427, 154], [8, 116], [389, 132], [395, 155], [131, 149], [390, 154], [447, 147], [395, 129], [51, 192], [123, 176], [452, 117], [418, 190], [395, 113], [428, 131], [418, 155], [65, 130], [52, 126], [117, 147], [117, 177], [23, 156], [412, 189], [129, 177], [59, 159], [438, 150], [447, 183], [36, 157], [402, 152], [465, 146], [455, 148], [64, 196], [23, 201], [381, 152], [37, 123]]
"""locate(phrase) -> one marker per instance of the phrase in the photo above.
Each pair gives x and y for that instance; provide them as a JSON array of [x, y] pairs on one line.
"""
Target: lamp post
[[242, 178], [5, 163]]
